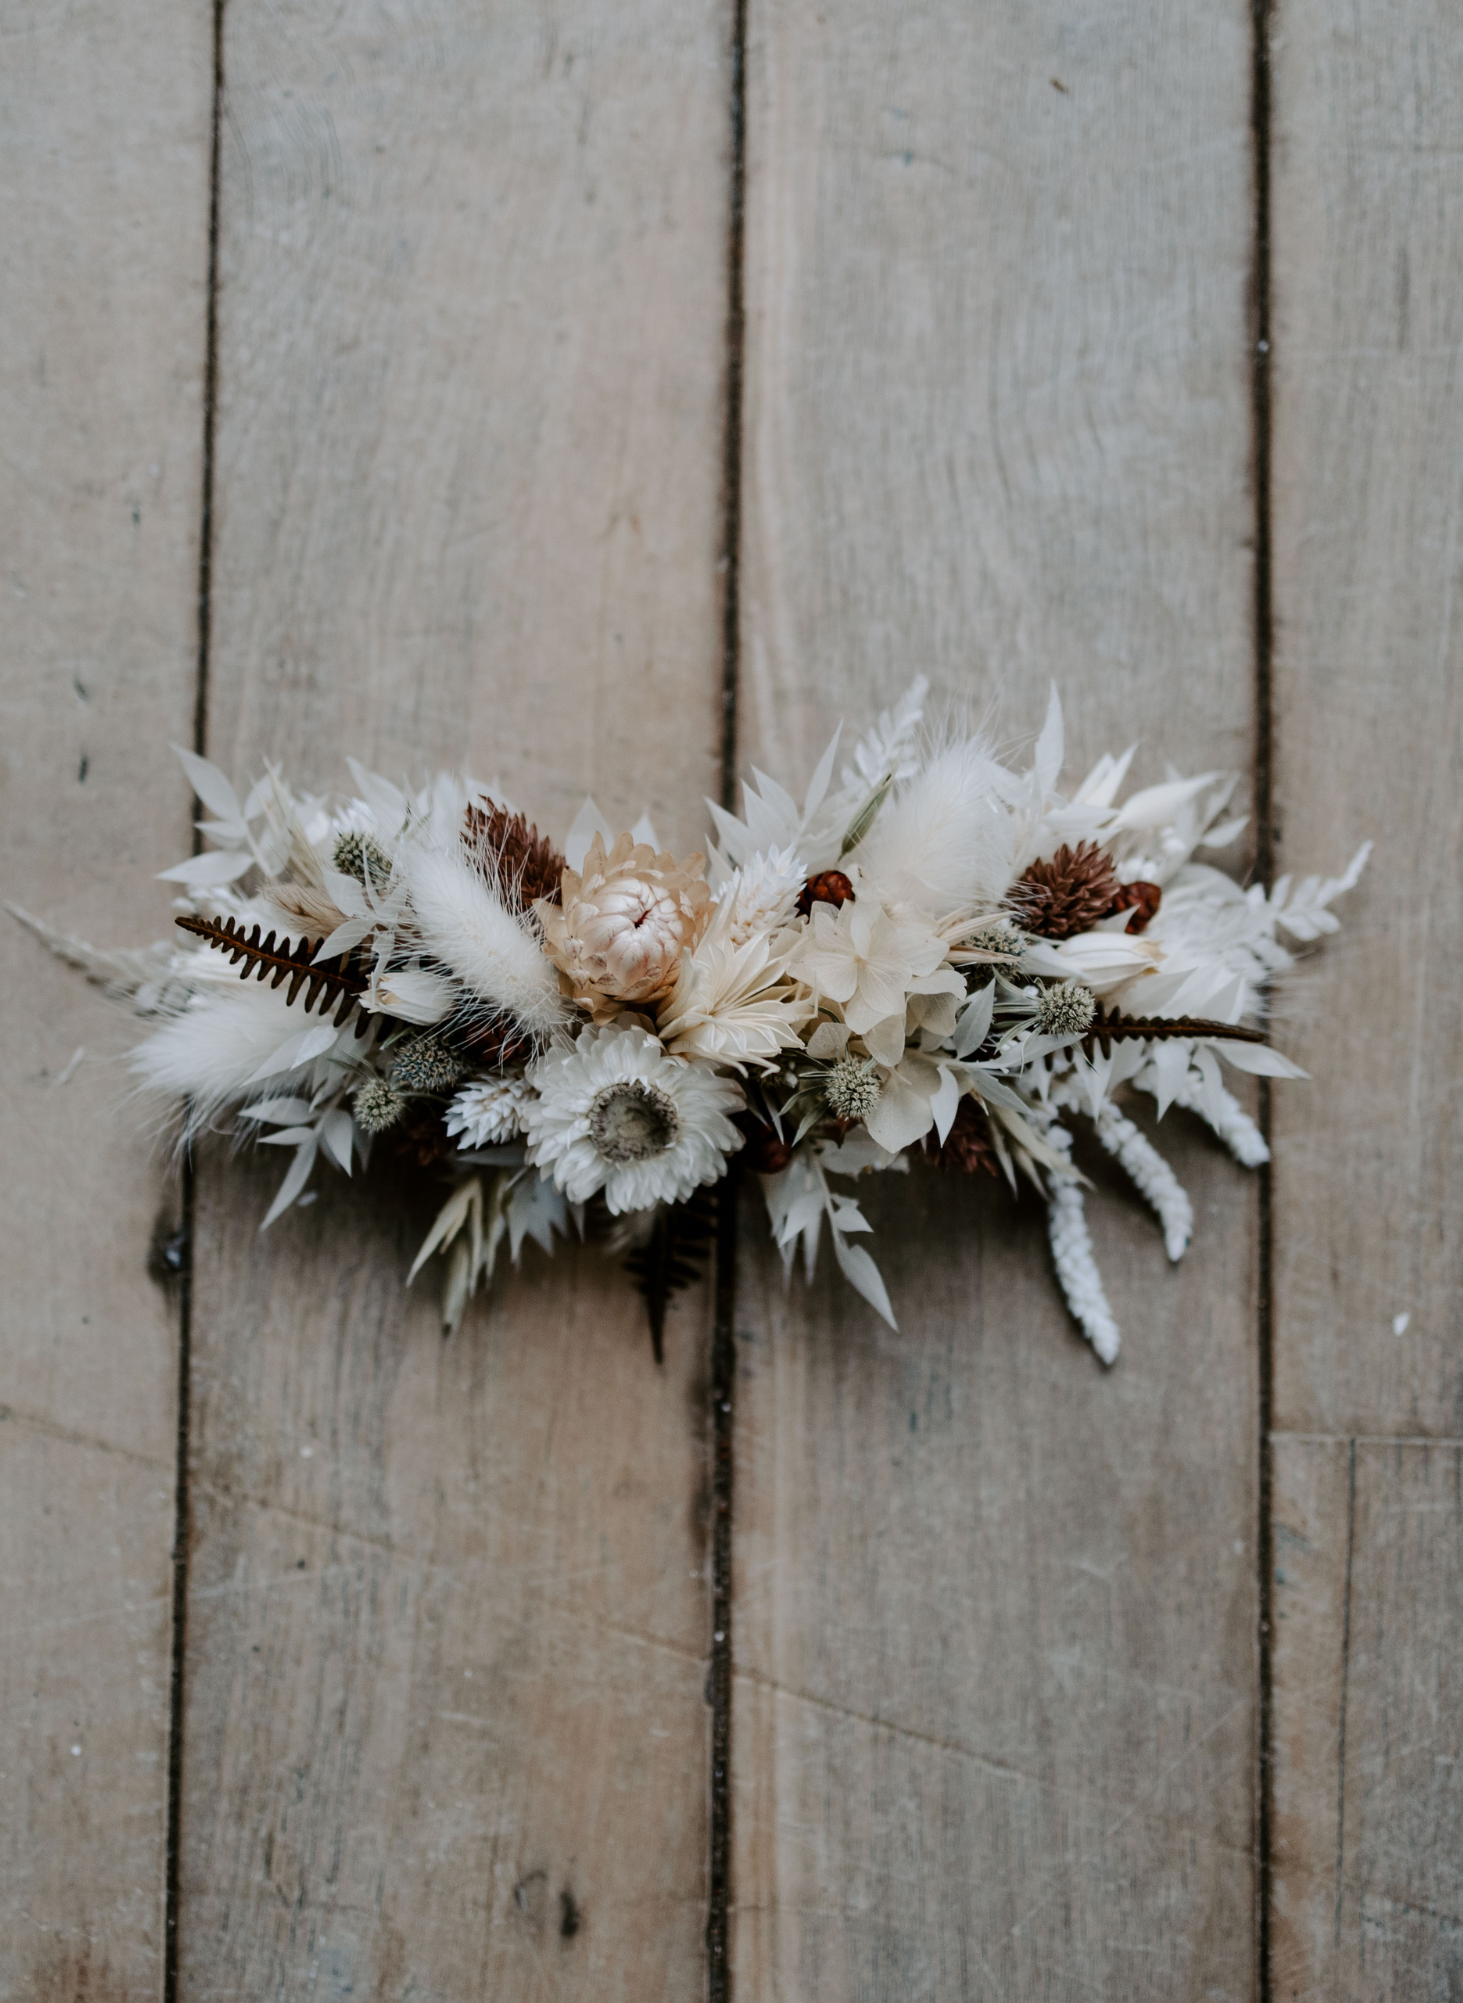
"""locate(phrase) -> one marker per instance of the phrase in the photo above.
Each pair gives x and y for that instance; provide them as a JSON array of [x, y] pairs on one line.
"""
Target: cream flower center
[[633, 1122]]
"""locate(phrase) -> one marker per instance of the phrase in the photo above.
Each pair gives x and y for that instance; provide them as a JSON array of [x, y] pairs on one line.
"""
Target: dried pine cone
[[520, 864], [1068, 894], [967, 1147], [830, 886]]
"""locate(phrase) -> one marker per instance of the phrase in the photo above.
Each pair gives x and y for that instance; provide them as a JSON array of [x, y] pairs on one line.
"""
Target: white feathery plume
[[213, 1049], [943, 841], [495, 955]]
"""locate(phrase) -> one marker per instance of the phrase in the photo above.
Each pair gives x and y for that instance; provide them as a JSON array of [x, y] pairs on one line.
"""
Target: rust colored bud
[[830, 886], [1143, 900]]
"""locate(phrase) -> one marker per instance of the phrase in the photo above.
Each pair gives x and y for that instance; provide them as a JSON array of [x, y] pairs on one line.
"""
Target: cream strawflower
[[625, 920], [618, 1113], [733, 1003], [489, 1112], [869, 961]]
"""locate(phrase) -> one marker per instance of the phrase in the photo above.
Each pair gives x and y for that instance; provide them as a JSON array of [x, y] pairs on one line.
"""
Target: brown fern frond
[[521, 865], [341, 981], [1108, 1027]]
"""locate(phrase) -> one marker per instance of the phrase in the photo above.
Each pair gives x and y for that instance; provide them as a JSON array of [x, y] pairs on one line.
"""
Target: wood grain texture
[[996, 1620], [1369, 1786], [448, 1623], [1368, 459], [103, 263]]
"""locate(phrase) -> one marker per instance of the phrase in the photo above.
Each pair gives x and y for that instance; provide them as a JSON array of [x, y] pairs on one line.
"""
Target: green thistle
[[378, 1106], [356, 853], [1065, 1010]]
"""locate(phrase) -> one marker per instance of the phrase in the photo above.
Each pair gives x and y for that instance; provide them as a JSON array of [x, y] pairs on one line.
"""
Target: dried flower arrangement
[[937, 957]]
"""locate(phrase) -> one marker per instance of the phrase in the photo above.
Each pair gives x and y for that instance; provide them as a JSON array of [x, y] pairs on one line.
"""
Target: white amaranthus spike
[[1072, 1255], [1151, 1176], [1144, 1166]]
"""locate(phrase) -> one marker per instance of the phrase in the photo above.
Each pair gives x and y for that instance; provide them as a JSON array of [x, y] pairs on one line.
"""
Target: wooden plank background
[[1015, 1710]]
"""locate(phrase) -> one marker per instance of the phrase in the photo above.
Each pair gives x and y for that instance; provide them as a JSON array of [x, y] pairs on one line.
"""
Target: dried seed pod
[[829, 886]]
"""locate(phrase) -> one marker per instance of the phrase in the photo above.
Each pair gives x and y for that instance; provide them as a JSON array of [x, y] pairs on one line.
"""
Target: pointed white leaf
[[278, 1112], [644, 832], [1155, 806], [823, 773], [387, 802], [1258, 1058], [1049, 747], [336, 1137], [946, 1102], [297, 1175], [212, 788], [973, 1024], [587, 823], [449, 1221], [864, 1277], [343, 938], [207, 872]]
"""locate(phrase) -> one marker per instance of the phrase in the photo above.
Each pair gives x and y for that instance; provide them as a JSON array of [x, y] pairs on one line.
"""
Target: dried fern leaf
[[338, 985]]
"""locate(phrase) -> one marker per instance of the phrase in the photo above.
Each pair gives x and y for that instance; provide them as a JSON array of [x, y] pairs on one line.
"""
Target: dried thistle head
[[426, 1064], [1066, 1009], [1069, 894]]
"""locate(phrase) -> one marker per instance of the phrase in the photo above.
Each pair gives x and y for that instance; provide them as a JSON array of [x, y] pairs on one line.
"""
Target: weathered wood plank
[[1367, 514], [1369, 708], [104, 159], [448, 1625], [996, 1615], [1368, 1869]]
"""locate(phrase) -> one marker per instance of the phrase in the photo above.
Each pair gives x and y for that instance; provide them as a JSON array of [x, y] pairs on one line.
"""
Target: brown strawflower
[[511, 855], [1068, 894]]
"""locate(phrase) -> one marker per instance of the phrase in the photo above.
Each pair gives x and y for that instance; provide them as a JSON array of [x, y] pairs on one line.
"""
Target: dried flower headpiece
[[937, 957]]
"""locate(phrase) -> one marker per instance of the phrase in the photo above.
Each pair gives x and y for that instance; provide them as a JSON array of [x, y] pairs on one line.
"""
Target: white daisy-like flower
[[618, 1113], [489, 1112]]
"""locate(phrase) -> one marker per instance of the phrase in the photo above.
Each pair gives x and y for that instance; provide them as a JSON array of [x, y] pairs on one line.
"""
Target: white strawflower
[[489, 1112], [618, 1113]]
